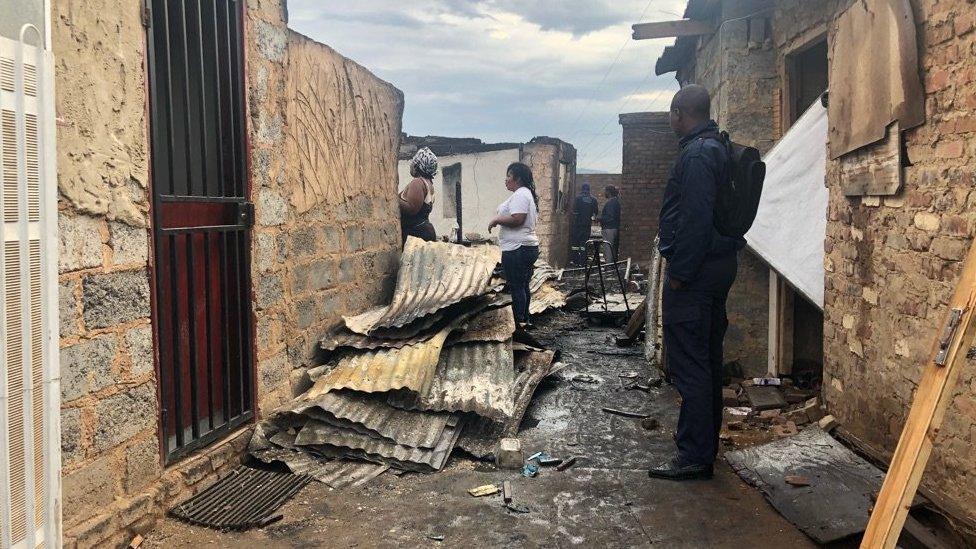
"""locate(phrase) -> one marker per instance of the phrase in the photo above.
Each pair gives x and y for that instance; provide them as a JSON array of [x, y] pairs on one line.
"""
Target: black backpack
[[738, 198]]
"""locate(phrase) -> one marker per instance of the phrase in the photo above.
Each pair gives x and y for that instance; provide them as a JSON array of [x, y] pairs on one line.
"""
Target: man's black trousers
[[695, 321]]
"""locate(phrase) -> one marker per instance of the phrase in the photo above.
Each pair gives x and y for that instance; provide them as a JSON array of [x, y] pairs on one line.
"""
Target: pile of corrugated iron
[[407, 383]]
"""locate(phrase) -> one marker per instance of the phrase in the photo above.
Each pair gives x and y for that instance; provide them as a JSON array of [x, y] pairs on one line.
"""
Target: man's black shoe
[[671, 470]]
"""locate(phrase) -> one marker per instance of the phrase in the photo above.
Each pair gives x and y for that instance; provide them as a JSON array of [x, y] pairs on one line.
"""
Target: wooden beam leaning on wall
[[665, 29], [928, 409]]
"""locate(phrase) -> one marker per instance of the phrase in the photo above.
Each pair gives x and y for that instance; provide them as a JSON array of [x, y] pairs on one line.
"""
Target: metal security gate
[[201, 220], [30, 460]]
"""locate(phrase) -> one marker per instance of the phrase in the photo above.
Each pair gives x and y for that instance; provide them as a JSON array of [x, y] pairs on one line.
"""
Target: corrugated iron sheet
[[470, 377], [545, 298], [410, 367], [432, 276], [542, 272], [327, 438], [480, 436], [491, 325], [336, 474], [372, 412], [415, 332]]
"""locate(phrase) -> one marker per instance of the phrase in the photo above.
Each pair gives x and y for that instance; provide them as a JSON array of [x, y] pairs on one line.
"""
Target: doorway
[[201, 222]]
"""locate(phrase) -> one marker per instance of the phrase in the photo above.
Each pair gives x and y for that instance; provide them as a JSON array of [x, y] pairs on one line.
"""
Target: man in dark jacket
[[610, 221], [701, 266], [585, 209]]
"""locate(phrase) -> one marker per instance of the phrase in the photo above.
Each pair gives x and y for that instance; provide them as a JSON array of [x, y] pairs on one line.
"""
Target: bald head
[[690, 107]]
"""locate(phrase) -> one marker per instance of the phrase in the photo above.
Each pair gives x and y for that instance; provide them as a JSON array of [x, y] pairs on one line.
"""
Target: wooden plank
[[780, 346], [636, 321], [874, 170], [928, 409], [664, 29]]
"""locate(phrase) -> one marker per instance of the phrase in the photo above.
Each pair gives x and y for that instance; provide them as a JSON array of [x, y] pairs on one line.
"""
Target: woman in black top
[[417, 198]]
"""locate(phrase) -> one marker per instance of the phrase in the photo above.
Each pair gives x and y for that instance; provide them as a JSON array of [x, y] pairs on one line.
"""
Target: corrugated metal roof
[[410, 367], [338, 474], [406, 427], [327, 438], [480, 437], [407, 335], [491, 325], [432, 276], [470, 377], [545, 298], [542, 272]]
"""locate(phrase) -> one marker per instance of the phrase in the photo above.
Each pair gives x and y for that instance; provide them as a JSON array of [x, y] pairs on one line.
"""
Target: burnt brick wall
[[892, 263], [649, 149]]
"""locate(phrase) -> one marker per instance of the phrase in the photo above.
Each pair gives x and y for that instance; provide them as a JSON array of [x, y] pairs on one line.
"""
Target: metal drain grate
[[245, 498]]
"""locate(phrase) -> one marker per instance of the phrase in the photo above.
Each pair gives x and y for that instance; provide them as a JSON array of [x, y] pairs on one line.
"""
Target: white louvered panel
[[8, 134], [33, 171], [13, 321], [6, 74], [37, 374], [30, 459]]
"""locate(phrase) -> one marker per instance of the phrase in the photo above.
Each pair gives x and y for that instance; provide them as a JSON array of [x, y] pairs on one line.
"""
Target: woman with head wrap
[[518, 241], [417, 198]]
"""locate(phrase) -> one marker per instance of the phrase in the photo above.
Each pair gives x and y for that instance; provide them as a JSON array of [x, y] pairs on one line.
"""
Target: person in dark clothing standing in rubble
[[701, 267], [520, 245], [585, 208], [417, 198], [610, 221]]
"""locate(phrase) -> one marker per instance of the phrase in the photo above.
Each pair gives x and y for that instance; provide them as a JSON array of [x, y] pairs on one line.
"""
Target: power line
[[619, 109], [616, 58]]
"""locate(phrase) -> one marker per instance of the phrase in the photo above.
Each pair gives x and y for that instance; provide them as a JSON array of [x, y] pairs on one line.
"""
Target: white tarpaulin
[[791, 222]]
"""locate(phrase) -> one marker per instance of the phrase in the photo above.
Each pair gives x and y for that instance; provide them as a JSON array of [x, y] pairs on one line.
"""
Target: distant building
[[480, 167]]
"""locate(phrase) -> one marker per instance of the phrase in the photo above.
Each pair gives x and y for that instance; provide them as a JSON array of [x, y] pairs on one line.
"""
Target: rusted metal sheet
[[491, 325], [545, 298], [411, 367], [542, 272], [480, 437], [373, 413], [432, 276], [417, 331], [470, 377], [338, 474], [328, 439]]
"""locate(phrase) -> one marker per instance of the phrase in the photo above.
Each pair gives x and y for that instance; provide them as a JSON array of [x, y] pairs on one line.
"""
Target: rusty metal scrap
[[372, 412], [542, 272], [336, 474], [328, 438], [545, 298], [432, 276], [491, 325], [470, 377], [410, 367], [480, 437]]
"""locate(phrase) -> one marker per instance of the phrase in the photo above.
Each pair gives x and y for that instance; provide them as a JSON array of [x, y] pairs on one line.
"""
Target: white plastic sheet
[[791, 223]]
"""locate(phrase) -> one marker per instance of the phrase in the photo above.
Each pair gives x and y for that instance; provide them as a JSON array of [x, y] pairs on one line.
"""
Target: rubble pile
[[406, 383], [762, 409]]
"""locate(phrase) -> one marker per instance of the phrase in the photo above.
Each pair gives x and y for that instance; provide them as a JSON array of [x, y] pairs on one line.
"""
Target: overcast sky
[[506, 70]]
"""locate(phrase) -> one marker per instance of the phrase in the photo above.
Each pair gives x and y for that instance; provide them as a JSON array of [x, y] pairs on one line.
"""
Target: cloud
[[503, 70]]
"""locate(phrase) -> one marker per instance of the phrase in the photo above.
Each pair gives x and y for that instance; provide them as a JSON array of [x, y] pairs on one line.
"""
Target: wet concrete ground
[[606, 500]]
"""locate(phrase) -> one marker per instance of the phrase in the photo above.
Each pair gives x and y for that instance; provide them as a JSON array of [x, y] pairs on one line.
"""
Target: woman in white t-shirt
[[520, 246]]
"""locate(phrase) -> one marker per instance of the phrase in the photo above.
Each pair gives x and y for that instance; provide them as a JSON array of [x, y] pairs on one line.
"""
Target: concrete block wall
[[309, 264], [650, 147], [544, 156], [891, 264], [326, 241]]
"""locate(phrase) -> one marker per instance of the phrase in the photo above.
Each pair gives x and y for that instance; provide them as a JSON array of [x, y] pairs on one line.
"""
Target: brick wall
[[321, 250], [547, 158], [313, 258], [893, 262], [598, 182], [649, 149]]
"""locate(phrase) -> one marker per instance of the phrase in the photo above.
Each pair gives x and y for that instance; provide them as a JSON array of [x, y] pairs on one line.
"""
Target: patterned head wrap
[[426, 162]]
